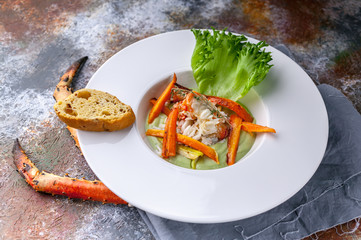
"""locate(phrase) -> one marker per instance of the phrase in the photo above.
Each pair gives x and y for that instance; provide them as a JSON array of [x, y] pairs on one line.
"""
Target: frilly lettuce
[[226, 65]]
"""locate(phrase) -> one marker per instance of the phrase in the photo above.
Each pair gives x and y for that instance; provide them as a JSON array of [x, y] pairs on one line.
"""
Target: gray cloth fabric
[[331, 197]]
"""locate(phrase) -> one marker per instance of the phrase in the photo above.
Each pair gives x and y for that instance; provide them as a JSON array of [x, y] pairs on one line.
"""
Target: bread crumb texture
[[94, 110]]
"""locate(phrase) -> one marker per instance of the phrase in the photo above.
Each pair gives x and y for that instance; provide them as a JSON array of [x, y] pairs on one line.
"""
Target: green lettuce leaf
[[226, 65]]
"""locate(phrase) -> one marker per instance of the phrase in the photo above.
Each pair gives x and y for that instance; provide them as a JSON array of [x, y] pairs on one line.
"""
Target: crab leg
[[63, 88], [56, 185]]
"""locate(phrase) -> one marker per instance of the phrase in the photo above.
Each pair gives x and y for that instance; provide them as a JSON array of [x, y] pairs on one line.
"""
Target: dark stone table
[[40, 39]]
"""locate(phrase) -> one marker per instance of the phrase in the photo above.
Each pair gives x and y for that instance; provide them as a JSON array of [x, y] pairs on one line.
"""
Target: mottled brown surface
[[28, 18], [346, 68], [40, 39], [299, 21], [346, 231]]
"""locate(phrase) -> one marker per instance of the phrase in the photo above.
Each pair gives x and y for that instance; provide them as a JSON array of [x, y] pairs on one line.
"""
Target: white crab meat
[[199, 123]]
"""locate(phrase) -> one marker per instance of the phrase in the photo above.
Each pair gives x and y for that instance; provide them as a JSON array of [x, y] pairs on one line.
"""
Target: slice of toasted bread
[[94, 110]]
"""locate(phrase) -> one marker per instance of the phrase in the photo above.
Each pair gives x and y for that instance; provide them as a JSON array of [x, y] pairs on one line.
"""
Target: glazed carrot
[[232, 105], [251, 127], [170, 138], [233, 139], [172, 132], [165, 153], [158, 106], [165, 109], [208, 151]]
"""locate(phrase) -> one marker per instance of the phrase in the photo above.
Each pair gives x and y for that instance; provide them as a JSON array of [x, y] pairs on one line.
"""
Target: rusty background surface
[[40, 39]]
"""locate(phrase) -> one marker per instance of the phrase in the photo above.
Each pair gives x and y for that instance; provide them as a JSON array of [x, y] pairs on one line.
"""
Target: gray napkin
[[331, 197]]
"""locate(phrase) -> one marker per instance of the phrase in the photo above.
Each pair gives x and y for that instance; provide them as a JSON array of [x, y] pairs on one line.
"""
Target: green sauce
[[246, 141]]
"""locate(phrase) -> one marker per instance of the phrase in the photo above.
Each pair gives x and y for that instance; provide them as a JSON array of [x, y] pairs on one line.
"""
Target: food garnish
[[227, 65], [189, 152]]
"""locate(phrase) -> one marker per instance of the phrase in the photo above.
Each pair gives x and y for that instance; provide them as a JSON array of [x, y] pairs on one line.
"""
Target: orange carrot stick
[[172, 132], [233, 139], [158, 106], [165, 109], [170, 138], [232, 105], [251, 127], [206, 150], [165, 153]]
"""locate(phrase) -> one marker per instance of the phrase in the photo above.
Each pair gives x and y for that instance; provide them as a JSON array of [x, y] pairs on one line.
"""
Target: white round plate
[[277, 166]]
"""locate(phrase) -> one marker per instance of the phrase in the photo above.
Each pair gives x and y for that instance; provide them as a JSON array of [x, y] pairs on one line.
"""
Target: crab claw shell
[[63, 88], [24, 166], [56, 185]]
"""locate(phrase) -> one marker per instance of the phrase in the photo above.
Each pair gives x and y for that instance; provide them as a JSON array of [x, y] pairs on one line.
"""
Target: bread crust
[[97, 123]]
